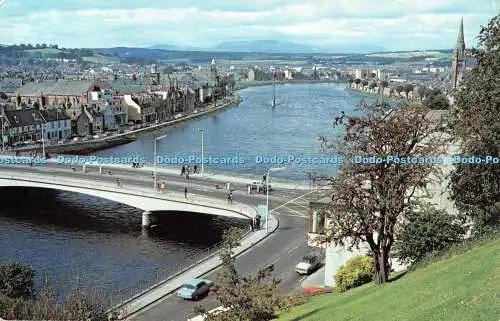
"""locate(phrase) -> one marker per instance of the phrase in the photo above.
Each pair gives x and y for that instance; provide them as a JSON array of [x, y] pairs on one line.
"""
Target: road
[[284, 248]]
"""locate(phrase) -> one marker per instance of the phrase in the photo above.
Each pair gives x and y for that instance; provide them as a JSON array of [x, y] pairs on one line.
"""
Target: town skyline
[[394, 25]]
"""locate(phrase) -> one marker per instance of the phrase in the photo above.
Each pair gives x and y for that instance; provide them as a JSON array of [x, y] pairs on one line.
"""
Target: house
[[110, 103], [22, 125], [32, 92], [109, 120], [89, 122], [57, 124]]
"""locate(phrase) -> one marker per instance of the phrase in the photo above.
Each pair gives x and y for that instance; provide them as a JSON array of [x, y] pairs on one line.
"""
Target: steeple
[[460, 39], [459, 57]]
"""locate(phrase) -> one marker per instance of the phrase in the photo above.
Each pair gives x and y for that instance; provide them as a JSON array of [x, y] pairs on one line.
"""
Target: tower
[[213, 70], [458, 63], [154, 76]]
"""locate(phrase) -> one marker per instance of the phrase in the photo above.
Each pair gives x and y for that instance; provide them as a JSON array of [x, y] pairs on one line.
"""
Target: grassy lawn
[[46, 51], [460, 287], [98, 59]]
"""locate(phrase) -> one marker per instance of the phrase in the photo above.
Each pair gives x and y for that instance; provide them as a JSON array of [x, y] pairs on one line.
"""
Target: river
[[81, 241]]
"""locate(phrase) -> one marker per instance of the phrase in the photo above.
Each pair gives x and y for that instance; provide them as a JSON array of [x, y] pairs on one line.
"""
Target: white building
[[57, 125]]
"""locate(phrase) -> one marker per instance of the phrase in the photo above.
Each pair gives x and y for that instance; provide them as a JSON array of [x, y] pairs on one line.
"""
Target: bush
[[356, 272], [426, 231], [16, 280]]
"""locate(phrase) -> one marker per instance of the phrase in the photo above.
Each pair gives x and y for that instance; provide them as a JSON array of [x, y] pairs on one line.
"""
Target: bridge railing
[[194, 199]]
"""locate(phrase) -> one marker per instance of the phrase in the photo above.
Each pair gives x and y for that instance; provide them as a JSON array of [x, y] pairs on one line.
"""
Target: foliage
[[476, 123], [384, 83], [462, 286], [357, 271], [44, 306], [16, 280], [425, 231], [250, 298], [435, 99], [369, 199]]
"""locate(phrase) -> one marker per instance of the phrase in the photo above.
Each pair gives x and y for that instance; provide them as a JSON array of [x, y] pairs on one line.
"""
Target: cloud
[[393, 24]]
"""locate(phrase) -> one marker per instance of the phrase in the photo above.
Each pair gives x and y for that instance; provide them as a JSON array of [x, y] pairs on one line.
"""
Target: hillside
[[460, 287]]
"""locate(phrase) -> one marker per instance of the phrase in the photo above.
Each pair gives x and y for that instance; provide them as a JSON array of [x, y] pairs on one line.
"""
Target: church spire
[[461, 40]]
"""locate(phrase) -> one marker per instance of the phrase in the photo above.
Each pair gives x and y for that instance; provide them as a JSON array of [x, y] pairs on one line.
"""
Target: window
[[201, 284]]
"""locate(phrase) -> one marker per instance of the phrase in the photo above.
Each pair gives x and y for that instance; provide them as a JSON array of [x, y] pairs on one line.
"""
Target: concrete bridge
[[136, 196]]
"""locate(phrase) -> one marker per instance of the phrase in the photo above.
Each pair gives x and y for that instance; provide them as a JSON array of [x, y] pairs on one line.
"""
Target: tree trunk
[[381, 261]]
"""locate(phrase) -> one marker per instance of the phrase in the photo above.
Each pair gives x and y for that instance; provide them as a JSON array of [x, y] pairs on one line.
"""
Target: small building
[[22, 126], [57, 125], [89, 122]]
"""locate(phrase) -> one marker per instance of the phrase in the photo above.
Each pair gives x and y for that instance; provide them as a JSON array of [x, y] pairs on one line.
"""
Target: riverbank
[[247, 84], [89, 146], [371, 95]]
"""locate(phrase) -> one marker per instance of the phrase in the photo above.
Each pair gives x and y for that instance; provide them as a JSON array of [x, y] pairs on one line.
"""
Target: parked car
[[195, 289], [308, 264]]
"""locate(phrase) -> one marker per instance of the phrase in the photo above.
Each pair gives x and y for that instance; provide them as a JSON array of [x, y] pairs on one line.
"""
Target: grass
[[463, 286], [98, 59], [46, 51]]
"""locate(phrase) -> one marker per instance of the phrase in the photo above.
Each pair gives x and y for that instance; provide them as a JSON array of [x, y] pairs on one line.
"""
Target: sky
[[390, 24]]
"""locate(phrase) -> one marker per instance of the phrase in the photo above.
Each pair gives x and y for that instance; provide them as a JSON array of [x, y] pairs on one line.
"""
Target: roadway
[[284, 248]]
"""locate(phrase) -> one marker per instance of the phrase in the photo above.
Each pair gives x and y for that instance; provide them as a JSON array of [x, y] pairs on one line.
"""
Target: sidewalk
[[161, 290]]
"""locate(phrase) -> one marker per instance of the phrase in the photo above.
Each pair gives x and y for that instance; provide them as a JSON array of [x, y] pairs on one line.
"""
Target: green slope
[[461, 287]]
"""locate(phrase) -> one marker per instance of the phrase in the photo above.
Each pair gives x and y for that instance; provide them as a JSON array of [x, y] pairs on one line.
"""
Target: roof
[[35, 89], [10, 85], [23, 117], [65, 87], [196, 281], [53, 114]]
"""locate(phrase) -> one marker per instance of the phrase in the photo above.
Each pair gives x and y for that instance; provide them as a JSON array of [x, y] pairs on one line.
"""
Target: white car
[[309, 264]]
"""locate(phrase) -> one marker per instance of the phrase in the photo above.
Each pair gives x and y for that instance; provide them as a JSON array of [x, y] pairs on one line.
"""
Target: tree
[[438, 102], [384, 84], [475, 122], [399, 88], [16, 280], [357, 81], [373, 85], [248, 298], [169, 70], [425, 231], [370, 199], [364, 83]]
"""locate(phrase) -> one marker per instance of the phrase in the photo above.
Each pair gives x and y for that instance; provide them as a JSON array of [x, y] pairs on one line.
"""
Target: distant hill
[[273, 46]]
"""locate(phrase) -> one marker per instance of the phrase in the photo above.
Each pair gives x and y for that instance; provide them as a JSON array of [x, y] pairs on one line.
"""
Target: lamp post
[[202, 152], [3, 144], [267, 193], [154, 160], [43, 140]]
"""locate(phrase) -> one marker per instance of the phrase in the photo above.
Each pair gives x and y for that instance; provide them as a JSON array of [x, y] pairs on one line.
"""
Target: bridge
[[130, 193]]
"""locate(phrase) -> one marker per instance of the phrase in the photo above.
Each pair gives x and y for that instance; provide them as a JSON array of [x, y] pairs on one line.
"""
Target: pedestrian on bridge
[[257, 222], [118, 183], [185, 192], [163, 187]]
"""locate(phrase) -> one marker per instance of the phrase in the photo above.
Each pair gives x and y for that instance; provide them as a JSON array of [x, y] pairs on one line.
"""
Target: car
[[308, 264], [195, 289]]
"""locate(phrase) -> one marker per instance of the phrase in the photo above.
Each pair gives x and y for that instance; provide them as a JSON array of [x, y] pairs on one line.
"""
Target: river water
[[77, 240], [255, 130]]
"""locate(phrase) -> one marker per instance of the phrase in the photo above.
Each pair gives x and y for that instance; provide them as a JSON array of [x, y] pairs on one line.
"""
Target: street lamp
[[154, 160], [3, 144], [267, 193], [43, 140], [202, 152]]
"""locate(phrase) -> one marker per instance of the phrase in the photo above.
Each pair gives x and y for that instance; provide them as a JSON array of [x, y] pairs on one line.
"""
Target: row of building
[[67, 108]]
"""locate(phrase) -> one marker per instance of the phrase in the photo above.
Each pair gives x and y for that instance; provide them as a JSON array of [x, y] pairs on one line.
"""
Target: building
[[89, 122], [57, 125], [109, 102], [62, 92], [250, 75], [22, 126], [458, 65]]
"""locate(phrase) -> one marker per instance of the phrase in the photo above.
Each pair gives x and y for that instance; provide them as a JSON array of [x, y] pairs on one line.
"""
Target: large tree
[[476, 123], [370, 199]]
